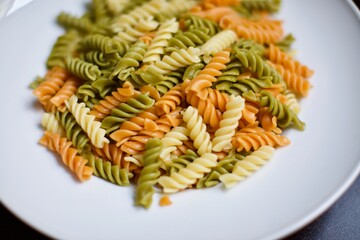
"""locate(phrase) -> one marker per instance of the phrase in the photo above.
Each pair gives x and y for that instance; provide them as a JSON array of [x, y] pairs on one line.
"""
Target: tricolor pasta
[[170, 95]]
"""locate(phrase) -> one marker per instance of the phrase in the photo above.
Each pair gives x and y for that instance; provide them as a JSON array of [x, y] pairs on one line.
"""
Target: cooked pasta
[[105, 170], [169, 95], [188, 175], [197, 128], [126, 111], [219, 42], [172, 139], [69, 155], [149, 174], [228, 124], [247, 166], [160, 41], [103, 109], [87, 122], [51, 124]]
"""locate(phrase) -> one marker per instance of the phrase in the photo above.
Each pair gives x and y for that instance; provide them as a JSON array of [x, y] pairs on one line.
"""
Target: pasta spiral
[[104, 169], [181, 162], [224, 166], [254, 140], [198, 133], [249, 84], [228, 124], [149, 174], [195, 22], [137, 143], [293, 81], [98, 58], [261, 5], [81, 24], [229, 75], [146, 10], [172, 139], [51, 124], [206, 109], [176, 60], [133, 34], [285, 44], [102, 43], [160, 41], [130, 60], [219, 42], [111, 153], [126, 111], [291, 101], [88, 94], [64, 46], [170, 101], [143, 120], [258, 65], [218, 99], [192, 71], [67, 90], [74, 132], [87, 122], [207, 76], [188, 175], [82, 69], [174, 8], [123, 94], [191, 38], [275, 55], [69, 155], [247, 166], [283, 113], [54, 80]]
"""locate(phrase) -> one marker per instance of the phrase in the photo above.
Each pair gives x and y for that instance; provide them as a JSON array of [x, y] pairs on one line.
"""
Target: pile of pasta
[[170, 94]]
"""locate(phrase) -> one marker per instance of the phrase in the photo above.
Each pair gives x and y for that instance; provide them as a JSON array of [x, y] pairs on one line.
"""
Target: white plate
[[301, 181]]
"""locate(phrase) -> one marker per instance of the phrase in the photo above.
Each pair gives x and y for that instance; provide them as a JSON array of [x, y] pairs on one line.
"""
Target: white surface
[[18, 4], [302, 180], [5, 6]]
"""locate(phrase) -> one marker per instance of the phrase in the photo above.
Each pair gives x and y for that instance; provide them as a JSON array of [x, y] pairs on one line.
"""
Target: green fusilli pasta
[[149, 174], [195, 22], [261, 5], [81, 24], [88, 94], [284, 114], [82, 69], [130, 61], [182, 161], [191, 38], [256, 64], [125, 111], [104, 44], [73, 131], [64, 47], [104, 169]]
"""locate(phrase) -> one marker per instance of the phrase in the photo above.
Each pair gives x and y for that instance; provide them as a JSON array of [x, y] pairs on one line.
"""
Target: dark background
[[341, 221]]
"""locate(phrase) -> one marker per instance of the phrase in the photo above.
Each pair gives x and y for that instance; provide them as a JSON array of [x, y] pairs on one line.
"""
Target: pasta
[[247, 166], [105, 170], [169, 95], [149, 173], [87, 122], [228, 124], [69, 155], [160, 41]]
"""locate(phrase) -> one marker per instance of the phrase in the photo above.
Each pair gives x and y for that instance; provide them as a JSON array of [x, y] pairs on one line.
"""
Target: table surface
[[341, 221]]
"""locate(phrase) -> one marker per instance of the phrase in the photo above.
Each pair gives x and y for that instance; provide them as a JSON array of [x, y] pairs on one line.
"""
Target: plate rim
[[286, 231]]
